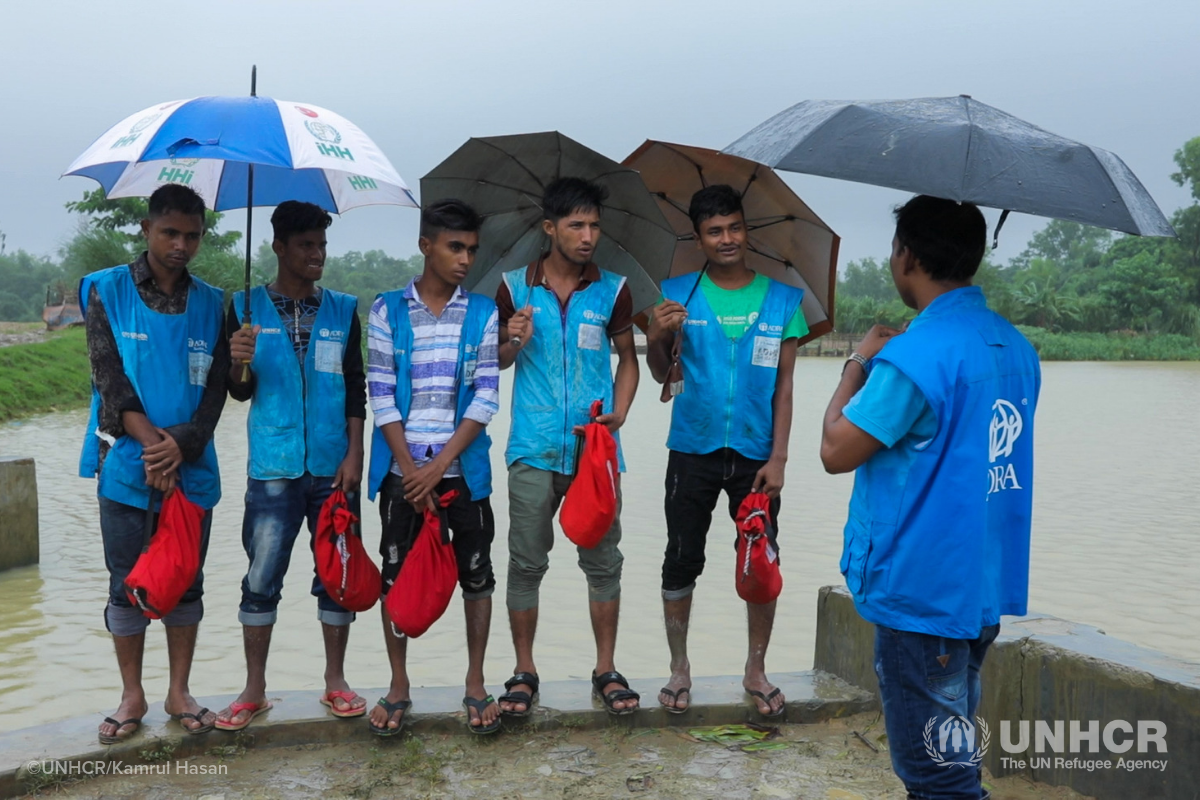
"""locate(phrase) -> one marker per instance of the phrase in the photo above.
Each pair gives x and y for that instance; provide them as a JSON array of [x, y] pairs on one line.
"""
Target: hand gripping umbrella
[[241, 152], [959, 149], [787, 241], [504, 177]]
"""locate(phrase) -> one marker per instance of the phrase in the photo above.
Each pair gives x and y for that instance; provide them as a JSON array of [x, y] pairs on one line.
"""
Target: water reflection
[[1115, 545]]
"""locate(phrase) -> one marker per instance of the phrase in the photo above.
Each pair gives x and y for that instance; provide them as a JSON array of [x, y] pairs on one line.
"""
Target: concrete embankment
[[18, 513], [1045, 672]]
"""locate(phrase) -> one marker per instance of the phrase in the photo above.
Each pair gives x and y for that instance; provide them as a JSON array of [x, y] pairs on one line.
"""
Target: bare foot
[[767, 696], [133, 706], [186, 704], [381, 719], [677, 693]]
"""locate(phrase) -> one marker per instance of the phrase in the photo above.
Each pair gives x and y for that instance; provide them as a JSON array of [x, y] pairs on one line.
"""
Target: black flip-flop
[[527, 699], [116, 738], [767, 698], [480, 706], [616, 695], [391, 708], [675, 695], [198, 717]]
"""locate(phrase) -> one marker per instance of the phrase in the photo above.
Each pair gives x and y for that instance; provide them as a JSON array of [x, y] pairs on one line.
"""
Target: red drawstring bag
[[590, 506], [170, 556], [422, 591], [348, 573], [757, 576]]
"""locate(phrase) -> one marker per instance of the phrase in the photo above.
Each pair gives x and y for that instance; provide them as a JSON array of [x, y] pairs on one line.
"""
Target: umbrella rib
[[516, 161], [486, 182], [962, 188]]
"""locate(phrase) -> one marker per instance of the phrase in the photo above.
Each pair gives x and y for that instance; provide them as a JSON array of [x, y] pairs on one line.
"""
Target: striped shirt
[[430, 422]]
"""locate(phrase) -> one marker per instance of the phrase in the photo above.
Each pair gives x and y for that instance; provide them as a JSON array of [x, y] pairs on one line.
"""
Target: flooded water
[[1116, 544]]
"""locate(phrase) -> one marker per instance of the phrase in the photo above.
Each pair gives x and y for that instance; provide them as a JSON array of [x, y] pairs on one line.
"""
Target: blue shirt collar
[[968, 296]]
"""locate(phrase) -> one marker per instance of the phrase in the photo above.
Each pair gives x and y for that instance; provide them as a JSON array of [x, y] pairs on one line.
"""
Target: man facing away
[[434, 386], [158, 357], [557, 316], [307, 394], [938, 423], [739, 330]]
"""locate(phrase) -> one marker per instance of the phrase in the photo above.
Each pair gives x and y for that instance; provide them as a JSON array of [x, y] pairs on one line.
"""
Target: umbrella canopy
[[959, 149], [504, 177], [787, 241], [299, 152]]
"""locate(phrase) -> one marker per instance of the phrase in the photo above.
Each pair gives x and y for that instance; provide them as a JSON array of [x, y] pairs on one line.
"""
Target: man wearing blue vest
[[557, 316], [159, 358], [738, 330], [307, 393], [434, 385], [938, 423]]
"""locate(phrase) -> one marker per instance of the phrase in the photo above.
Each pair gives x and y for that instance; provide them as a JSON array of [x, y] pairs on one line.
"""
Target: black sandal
[[480, 706], [391, 708], [529, 679], [677, 695], [203, 727], [616, 695], [116, 737]]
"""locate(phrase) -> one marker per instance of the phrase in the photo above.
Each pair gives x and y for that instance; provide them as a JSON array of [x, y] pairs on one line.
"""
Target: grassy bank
[[46, 376], [1112, 346]]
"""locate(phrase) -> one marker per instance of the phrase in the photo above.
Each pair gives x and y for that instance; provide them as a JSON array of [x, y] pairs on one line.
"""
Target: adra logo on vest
[[1003, 432]]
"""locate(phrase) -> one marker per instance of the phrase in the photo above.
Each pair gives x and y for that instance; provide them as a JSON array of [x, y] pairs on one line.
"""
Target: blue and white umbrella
[[298, 151]]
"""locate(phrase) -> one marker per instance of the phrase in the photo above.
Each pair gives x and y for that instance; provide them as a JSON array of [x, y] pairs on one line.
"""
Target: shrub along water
[[53, 375]]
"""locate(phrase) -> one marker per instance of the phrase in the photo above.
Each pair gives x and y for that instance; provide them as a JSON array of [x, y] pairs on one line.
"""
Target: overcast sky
[[420, 78]]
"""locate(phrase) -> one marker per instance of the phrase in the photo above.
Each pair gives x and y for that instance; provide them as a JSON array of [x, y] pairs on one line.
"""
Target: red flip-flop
[[349, 697], [237, 708]]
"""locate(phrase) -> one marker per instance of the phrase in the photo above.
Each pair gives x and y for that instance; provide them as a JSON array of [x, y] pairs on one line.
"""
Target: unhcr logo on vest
[[954, 737], [1005, 429]]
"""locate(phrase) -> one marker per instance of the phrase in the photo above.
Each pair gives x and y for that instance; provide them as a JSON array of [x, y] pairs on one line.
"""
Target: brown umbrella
[[788, 242]]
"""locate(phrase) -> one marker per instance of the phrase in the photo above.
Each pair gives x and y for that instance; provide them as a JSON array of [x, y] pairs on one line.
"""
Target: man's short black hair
[[718, 200], [175, 197], [448, 215], [292, 217], [947, 237], [565, 196]]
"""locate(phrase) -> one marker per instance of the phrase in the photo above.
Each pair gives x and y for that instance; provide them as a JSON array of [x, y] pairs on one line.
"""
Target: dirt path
[[820, 761]]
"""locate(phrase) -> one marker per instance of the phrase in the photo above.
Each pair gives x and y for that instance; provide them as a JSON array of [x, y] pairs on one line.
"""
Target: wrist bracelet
[[857, 359]]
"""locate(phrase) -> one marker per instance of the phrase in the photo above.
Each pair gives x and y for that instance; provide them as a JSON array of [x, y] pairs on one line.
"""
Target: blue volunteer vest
[[938, 537], [166, 358], [297, 423], [561, 371], [729, 384], [475, 462]]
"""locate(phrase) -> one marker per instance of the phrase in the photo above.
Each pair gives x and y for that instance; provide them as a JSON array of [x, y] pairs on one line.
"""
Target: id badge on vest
[[327, 356], [766, 352], [591, 337], [199, 363]]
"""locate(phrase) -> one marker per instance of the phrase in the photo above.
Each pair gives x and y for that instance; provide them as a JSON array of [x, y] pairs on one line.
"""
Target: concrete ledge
[[1046, 668], [18, 513], [298, 718]]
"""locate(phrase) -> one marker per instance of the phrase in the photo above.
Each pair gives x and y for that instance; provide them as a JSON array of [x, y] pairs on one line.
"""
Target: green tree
[[1070, 245], [867, 278], [1184, 251], [24, 282], [1141, 291]]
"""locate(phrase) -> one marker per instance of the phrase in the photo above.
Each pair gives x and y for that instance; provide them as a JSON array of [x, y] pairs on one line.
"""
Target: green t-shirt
[[737, 309]]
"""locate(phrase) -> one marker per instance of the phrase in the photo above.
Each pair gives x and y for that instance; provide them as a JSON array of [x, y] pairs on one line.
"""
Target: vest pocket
[[856, 551]]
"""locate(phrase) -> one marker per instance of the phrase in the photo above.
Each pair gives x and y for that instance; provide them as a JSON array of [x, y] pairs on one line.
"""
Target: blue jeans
[[930, 690], [274, 512], [122, 531]]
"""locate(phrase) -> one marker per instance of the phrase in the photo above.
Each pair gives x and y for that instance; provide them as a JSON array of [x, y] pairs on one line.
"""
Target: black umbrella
[[959, 149], [504, 177]]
